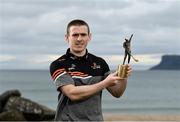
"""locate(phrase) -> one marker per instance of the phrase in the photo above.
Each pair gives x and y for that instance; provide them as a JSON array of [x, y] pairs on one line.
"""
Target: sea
[[148, 91]]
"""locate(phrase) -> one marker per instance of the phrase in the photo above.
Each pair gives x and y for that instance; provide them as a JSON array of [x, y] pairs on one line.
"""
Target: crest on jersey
[[95, 66], [72, 67]]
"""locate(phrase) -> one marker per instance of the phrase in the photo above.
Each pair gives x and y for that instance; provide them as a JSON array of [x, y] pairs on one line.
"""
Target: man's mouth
[[79, 44]]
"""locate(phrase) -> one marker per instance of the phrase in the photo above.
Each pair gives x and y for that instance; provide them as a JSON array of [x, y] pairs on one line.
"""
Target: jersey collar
[[74, 57]]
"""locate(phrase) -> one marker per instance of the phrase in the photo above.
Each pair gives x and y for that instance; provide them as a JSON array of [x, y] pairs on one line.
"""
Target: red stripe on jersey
[[78, 74], [57, 72]]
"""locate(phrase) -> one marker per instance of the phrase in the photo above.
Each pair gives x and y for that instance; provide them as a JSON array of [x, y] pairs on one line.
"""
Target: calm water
[[148, 92]]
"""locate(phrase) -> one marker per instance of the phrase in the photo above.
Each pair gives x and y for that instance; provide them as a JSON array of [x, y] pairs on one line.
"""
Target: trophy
[[122, 69]]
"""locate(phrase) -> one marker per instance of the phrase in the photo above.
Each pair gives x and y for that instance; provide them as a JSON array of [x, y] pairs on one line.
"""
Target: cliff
[[168, 62]]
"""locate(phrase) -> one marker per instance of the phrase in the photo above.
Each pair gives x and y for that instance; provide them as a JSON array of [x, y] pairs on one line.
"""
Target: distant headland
[[168, 62]]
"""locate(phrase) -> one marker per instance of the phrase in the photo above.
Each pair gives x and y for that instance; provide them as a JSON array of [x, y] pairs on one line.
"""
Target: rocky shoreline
[[13, 107]]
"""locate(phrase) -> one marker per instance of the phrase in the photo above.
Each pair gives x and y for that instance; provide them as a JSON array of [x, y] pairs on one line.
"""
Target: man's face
[[78, 39]]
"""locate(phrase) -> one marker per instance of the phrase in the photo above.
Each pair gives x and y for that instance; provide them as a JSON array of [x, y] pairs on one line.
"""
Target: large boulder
[[12, 116], [31, 110], [5, 96]]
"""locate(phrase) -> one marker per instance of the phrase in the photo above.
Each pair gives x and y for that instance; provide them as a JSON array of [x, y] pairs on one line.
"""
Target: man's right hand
[[112, 79]]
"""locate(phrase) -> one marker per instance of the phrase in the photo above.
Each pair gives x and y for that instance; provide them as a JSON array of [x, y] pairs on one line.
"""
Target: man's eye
[[75, 35], [83, 34]]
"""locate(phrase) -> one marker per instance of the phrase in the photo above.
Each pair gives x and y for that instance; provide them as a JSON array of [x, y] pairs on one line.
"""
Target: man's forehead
[[81, 28]]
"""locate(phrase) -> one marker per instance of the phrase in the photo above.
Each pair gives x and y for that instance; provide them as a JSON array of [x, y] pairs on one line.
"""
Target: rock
[[12, 116], [31, 110], [16, 108], [5, 96]]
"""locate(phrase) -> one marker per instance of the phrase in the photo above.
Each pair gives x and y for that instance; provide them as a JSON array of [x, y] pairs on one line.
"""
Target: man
[[80, 78]]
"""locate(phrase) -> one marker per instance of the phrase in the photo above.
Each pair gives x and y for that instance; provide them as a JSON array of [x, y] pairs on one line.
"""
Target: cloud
[[7, 58], [26, 61], [37, 27], [144, 59], [39, 59]]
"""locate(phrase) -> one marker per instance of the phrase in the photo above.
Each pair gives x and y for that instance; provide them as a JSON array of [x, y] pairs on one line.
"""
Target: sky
[[32, 31]]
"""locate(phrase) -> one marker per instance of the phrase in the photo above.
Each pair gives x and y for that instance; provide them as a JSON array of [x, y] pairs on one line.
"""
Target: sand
[[121, 117]]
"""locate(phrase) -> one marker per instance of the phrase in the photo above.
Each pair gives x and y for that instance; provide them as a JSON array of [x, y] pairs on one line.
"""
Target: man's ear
[[66, 37], [90, 36]]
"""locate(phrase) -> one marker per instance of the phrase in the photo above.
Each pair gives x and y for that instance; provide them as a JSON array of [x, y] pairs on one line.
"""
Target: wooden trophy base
[[122, 71]]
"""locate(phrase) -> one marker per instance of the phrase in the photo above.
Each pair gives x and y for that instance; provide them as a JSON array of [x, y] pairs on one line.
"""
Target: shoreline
[[137, 117]]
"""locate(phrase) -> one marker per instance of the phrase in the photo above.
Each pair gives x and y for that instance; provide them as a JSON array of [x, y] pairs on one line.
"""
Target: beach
[[122, 117]]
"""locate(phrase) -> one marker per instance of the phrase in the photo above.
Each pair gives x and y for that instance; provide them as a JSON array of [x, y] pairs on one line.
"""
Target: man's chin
[[79, 50]]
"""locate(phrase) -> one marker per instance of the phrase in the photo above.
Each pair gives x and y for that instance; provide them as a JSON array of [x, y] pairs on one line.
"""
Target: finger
[[115, 73], [117, 78], [116, 81], [129, 72], [129, 67]]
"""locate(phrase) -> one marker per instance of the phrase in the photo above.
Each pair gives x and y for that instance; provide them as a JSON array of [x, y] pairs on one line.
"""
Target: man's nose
[[79, 37]]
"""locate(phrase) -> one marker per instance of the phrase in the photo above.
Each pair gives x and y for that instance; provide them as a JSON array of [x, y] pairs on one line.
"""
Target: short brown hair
[[77, 22]]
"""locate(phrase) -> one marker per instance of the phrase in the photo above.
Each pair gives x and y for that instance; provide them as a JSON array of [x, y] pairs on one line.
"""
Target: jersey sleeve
[[59, 74]]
